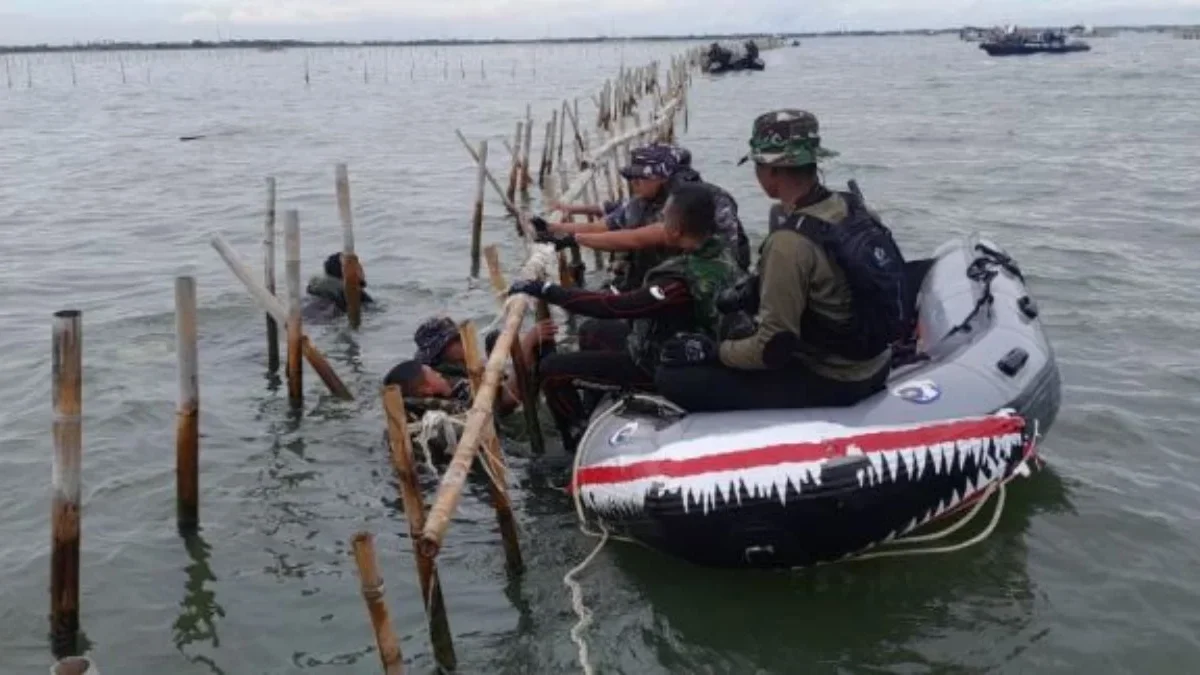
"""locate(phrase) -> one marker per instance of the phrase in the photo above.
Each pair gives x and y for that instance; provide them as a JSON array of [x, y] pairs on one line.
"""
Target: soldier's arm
[[625, 240], [786, 259], [594, 227]]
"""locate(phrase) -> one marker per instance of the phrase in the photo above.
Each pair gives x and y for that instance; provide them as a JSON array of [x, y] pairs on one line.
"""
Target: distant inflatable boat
[[791, 488], [716, 67]]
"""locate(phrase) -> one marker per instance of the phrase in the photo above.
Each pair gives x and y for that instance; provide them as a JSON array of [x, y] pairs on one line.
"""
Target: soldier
[[328, 291], [829, 295], [678, 295]]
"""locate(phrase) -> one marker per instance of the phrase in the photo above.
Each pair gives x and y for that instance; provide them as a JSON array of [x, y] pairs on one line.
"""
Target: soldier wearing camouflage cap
[[828, 294]]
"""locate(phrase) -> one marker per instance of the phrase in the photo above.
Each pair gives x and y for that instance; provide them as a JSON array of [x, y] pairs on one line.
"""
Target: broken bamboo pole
[[295, 332], [279, 312], [493, 456], [400, 445], [477, 213], [372, 592], [269, 277], [187, 412], [67, 375], [352, 273]]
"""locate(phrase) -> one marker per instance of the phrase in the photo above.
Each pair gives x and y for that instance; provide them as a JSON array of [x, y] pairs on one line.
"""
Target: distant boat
[[1015, 44]]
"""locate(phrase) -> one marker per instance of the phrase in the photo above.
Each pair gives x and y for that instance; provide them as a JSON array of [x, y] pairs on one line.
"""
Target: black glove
[[539, 224], [742, 297], [532, 287], [560, 241], [688, 349]]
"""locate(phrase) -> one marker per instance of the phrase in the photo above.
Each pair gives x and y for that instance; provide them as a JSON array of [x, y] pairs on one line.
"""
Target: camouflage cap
[[656, 160], [432, 336], [786, 138]]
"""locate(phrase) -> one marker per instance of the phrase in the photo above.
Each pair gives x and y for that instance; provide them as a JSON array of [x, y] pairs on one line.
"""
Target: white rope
[[581, 610], [437, 424]]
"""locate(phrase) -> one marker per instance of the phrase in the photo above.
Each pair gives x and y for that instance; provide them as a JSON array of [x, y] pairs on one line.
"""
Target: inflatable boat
[[717, 67], [791, 488]]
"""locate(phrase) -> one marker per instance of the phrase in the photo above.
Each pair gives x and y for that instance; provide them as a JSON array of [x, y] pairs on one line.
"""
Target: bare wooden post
[[526, 178], [546, 142], [67, 374], [493, 456], [514, 175], [269, 277], [295, 332], [187, 413], [372, 592], [477, 215], [550, 143], [352, 273], [414, 511]]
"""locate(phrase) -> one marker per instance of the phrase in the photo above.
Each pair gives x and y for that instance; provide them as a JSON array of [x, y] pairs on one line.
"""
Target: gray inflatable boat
[[789, 488]]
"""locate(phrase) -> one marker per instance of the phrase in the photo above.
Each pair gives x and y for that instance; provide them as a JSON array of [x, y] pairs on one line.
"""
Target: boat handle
[[1013, 362]]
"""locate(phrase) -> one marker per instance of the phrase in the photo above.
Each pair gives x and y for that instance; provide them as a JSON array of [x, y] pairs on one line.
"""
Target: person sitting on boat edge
[[829, 296], [678, 295], [328, 291], [634, 232]]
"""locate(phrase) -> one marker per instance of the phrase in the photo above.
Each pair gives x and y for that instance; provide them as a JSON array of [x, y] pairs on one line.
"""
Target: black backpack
[[863, 248]]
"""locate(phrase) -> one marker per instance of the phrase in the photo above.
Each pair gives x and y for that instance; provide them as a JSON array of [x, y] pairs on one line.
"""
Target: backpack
[[863, 248]]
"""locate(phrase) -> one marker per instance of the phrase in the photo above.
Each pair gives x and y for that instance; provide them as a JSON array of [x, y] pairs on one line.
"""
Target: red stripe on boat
[[785, 453]]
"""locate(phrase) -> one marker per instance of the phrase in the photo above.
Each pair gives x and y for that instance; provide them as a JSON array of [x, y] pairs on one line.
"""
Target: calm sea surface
[[1083, 166]]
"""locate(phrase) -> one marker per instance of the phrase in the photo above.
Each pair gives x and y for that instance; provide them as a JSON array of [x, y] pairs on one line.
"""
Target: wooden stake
[[550, 142], [526, 178], [546, 141], [372, 592], [477, 214], [67, 375], [493, 456], [269, 277], [279, 312], [352, 273], [187, 412], [521, 367], [295, 332], [514, 175], [414, 511]]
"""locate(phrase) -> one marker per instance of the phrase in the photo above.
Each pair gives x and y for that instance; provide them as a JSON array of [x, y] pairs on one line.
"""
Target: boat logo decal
[[621, 435], [918, 391]]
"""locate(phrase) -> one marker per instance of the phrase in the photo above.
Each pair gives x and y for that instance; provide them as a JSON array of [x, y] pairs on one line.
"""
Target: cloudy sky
[[31, 21]]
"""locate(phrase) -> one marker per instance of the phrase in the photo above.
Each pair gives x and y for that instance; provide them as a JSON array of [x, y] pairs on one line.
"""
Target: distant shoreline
[[273, 45]]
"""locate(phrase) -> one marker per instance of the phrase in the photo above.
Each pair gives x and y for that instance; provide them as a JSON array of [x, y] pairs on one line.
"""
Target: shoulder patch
[[657, 292]]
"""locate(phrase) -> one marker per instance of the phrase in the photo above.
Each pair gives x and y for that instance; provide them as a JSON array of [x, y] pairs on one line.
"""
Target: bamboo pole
[[550, 142], [269, 277], [187, 415], [508, 204], [526, 178], [514, 174], [562, 129], [492, 255], [546, 142], [477, 214], [372, 592], [400, 444], [493, 457], [279, 312], [295, 332], [352, 273], [66, 479]]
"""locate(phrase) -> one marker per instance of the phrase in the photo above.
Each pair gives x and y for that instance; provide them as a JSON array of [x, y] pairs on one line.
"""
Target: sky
[[66, 21]]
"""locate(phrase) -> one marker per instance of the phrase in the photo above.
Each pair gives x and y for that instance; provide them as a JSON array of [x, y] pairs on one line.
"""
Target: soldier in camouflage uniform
[[809, 347], [327, 292], [677, 295]]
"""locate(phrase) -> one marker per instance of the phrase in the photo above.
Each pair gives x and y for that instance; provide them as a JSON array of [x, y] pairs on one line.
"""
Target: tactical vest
[[630, 267], [864, 250], [707, 271]]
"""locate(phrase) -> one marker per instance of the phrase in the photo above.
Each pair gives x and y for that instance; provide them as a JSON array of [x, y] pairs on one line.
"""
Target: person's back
[[829, 296], [327, 291]]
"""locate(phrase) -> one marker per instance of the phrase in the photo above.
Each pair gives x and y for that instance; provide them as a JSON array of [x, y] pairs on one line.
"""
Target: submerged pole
[[269, 277], [477, 213], [400, 445], [67, 374], [514, 175], [295, 332], [187, 412], [352, 273], [372, 592]]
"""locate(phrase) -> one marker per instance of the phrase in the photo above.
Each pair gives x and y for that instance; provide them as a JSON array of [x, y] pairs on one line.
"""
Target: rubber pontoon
[[788, 488]]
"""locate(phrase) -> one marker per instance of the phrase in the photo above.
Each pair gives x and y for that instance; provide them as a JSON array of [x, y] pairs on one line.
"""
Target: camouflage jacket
[[707, 271]]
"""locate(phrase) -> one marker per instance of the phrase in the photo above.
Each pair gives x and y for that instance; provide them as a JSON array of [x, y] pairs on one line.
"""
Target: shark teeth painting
[[804, 492]]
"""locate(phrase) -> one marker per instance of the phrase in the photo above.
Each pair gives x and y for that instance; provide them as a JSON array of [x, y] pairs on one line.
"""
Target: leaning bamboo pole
[[276, 309]]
